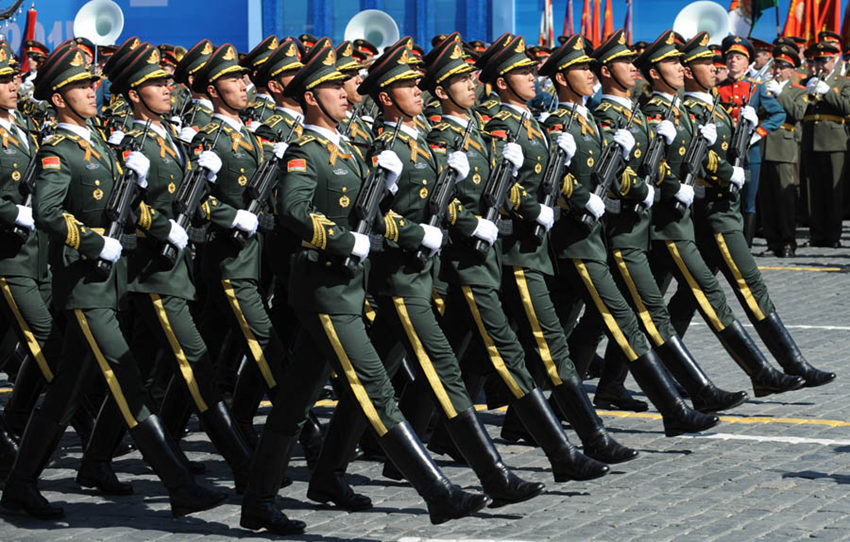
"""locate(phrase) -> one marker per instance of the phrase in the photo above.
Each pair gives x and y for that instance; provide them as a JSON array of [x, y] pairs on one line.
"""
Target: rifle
[[192, 190], [552, 179], [605, 171], [28, 183], [655, 152], [354, 116], [442, 193], [737, 154], [497, 188], [369, 199], [261, 185], [118, 207], [694, 157]]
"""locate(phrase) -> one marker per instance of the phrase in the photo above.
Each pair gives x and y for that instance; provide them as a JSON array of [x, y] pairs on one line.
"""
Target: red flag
[[29, 33], [568, 19], [586, 16], [795, 18], [845, 26], [627, 25], [608, 26], [595, 37]]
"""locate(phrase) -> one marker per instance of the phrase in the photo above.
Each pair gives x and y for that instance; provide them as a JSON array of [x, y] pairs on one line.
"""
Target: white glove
[[368, 119], [116, 138], [773, 87], [543, 116], [749, 115], [486, 231], [458, 161], [738, 176], [685, 194], [546, 218], [390, 161], [26, 87], [567, 143], [595, 206], [24, 218], [246, 221], [280, 148], [709, 133], [252, 126], [177, 236], [433, 238], [187, 134], [177, 122], [361, 245], [650, 196], [111, 250], [512, 152], [211, 161], [626, 140], [139, 163], [666, 129], [755, 138], [816, 86]]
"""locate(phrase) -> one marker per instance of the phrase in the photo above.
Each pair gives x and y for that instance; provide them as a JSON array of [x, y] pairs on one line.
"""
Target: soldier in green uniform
[[75, 179], [718, 227], [117, 115], [160, 293], [674, 250], [263, 105], [583, 277], [627, 232], [825, 144], [200, 111], [359, 133], [321, 181], [780, 169]]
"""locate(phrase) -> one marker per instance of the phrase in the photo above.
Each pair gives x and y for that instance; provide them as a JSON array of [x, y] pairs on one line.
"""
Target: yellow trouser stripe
[[607, 317], [439, 302], [369, 311], [645, 317], [739, 278], [424, 359], [353, 380], [542, 345], [111, 380], [182, 362], [32, 343], [253, 343], [699, 295], [492, 350]]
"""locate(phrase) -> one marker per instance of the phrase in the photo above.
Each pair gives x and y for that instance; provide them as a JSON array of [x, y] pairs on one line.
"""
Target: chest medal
[[97, 194]]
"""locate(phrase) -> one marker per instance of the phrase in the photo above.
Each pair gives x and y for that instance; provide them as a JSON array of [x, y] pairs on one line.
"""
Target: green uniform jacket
[[359, 135], [241, 153], [460, 263], [519, 248], [624, 227], [783, 145], [259, 110], [824, 128], [74, 183], [489, 107], [197, 116], [16, 259]]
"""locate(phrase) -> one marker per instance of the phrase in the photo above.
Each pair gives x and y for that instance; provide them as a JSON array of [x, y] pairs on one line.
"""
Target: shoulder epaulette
[[441, 126], [798, 85], [656, 100], [303, 140], [605, 106], [134, 133], [504, 114], [492, 102], [55, 139], [273, 120], [212, 126]]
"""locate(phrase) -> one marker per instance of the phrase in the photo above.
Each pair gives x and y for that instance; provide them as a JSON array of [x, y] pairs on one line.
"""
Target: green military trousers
[[25, 306]]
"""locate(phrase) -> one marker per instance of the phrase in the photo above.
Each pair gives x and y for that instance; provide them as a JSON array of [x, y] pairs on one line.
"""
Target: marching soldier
[[263, 104], [199, 110], [360, 133]]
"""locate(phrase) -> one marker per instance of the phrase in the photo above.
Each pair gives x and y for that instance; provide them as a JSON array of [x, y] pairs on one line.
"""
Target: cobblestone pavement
[[774, 469]]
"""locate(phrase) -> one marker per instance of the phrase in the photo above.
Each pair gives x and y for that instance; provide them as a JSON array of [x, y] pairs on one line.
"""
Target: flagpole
[[778, 31]]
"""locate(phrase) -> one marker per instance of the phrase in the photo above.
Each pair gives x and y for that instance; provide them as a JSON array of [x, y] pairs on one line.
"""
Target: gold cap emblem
[[622, 39], [154, 58], [348, 49], [671, 39], [704, 40], [229, 54], [272, 44], [3, 56], [520, 45], [404, 58], [292, 50], [457, 52], [78, 59], [579, 44], [330, 59], [207, 50]]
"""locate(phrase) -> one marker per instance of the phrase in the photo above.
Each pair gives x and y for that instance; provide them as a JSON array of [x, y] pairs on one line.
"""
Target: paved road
[[775, 469]]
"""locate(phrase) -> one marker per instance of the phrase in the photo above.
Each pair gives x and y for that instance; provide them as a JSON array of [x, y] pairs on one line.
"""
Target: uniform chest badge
[[92, 165], [238, 154], [10, 150], [682, 151], [476, 178], [590, 161], [172, 188], [538, 167], [340, 171], [420, 165], [724, 145], [97, 194], [16, 176], [344, 201], [242, 180], [423, 192], [637, 153]]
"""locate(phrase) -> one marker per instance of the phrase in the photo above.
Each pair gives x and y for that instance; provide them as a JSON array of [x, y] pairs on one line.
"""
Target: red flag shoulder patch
[[500, 134], [297, 165], [50, 162]]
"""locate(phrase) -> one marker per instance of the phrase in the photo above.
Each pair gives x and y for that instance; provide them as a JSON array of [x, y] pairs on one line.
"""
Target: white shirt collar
[[701, 96], [158, 130], [7, 124], [265, 97], [204, 102], [291, 112], [519, 109], [625, 102], [580, 109], [81, 131], [235, 124], [332, 135], [412, 132], [668, 97], [462, 122]]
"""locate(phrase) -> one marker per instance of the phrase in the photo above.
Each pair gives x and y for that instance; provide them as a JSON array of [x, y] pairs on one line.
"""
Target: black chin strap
[[511, 88], [616, 79], [404, 113], [71, 108], [224, 100], [705, 88], [323, 110], [451, 99], [569, 86]]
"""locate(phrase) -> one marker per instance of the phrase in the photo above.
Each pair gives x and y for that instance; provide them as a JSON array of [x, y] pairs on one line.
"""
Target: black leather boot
[[160, 451], [176, 408], [327, 481], [8, 449], [658, 386], [228, 440], [247, 396], [445, 500], [499, 483], [441, 442], [29, 383], [259, 508], [766, 380], [783, 347], [596, 442], [96, 467], [513, 430], [749, 227], [705, 396], [567, 462], [611, 392], [311, 438], [21, 495]]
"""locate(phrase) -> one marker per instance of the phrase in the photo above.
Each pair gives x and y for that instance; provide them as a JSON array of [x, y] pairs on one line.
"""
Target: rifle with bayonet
[[442, 193], [188, 199], [694, 157], [655, 153], [367, 204], [118, 208], [261, 186], [498, 184], [553, 179]]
